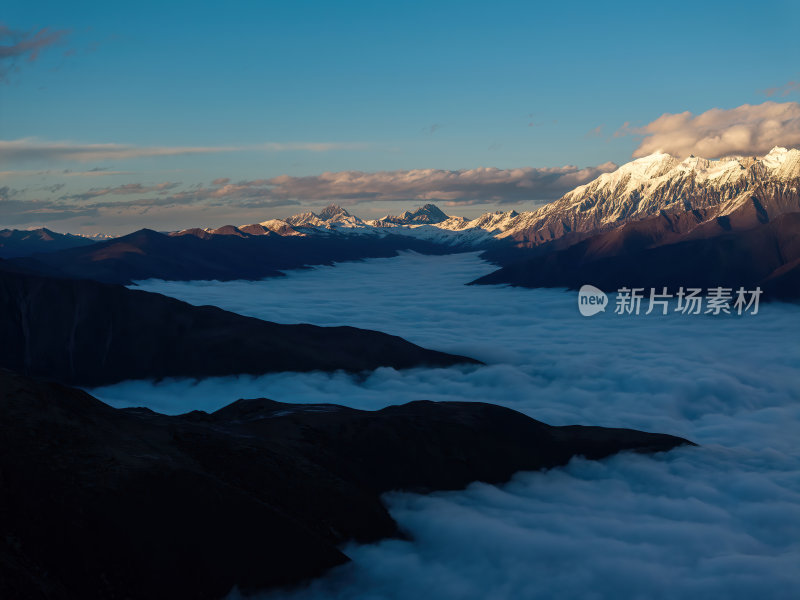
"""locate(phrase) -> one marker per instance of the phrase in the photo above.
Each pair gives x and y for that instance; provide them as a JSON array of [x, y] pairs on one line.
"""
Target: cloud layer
[[245, 197], [129, 206], [747, 129], [718, 521], [467, 186]]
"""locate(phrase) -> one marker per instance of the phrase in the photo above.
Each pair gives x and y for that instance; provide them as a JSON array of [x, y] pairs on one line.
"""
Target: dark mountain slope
[[655, 253], [88, 333], [201, 255], [104, 503], [17, 242]]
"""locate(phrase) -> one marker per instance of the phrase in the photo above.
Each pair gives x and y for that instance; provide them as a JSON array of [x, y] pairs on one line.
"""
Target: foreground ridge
[[101, 502]]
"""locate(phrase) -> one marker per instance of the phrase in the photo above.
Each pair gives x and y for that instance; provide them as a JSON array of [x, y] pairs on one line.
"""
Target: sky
[[115, 116]]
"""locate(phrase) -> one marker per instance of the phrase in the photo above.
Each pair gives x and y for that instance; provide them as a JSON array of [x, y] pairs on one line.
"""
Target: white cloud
[[747, 129], [718, 521]]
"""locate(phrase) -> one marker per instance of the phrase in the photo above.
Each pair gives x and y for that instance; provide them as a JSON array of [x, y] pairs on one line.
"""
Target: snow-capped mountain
[[330, 216], [661, 183], [429, 214], [737, 187]]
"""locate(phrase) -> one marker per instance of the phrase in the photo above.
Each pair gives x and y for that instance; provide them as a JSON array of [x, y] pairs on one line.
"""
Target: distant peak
[[427, 214], [331, 211]]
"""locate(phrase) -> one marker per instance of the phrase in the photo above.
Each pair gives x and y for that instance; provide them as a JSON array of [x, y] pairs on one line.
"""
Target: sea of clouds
[[718, 521]]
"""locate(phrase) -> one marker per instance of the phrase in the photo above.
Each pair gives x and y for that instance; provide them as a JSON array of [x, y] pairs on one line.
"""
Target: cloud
[[256, 192], [127, 189], [15, 211], [718, 521], [788, 88], [596, 132], [467, 186], [167, 208], [95, 172], [18, 45], [32, 149], [747, 129], [453, 188]]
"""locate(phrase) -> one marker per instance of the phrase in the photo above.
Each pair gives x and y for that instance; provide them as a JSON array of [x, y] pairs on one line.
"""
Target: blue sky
[[384, 86]]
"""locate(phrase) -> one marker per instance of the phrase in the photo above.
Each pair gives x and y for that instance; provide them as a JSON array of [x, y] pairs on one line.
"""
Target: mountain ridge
[[636, 190], [128, 503], [98, 333]]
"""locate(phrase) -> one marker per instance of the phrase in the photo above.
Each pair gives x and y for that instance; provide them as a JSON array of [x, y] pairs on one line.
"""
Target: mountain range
[[624, 228], [17, 242], [644, 188]]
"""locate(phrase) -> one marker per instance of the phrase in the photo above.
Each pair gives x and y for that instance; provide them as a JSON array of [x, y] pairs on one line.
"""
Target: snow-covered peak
[[331, 216], [783, 162], [426, 214], [305, 219], [333, 211], [275, 226], [779, 151], [495, 221], [630, 175], [694, 163], [652, 165]]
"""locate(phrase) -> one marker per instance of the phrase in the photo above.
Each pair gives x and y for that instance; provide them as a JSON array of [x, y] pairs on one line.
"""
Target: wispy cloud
[[127, 189], [32, 149], [24, 45], [791, 87], [596, 132], [160, 202], [746, 129], [96, 172]]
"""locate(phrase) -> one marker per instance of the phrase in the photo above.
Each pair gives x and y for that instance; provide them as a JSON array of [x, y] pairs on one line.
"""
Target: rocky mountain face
[[428, 214], [104, 503], [653, 253], [88, 333], [660, 222]]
